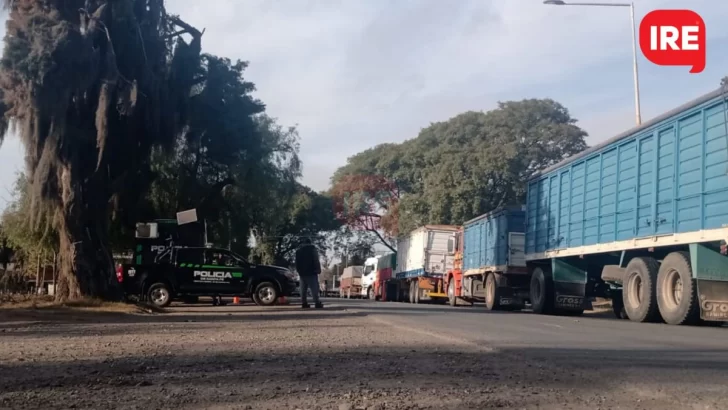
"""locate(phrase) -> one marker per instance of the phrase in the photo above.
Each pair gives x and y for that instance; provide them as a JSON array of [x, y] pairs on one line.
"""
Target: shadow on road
[[316, 374]]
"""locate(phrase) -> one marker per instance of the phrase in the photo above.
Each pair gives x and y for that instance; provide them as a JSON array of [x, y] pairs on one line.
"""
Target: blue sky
[[355, 73]]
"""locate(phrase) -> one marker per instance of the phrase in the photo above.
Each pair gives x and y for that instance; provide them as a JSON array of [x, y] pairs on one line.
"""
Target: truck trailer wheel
[[266, 294], [639, 292], [541, 292], [451, 293], [618, 306], [416, 287], [492, 295], [159, 294], [677, 294]]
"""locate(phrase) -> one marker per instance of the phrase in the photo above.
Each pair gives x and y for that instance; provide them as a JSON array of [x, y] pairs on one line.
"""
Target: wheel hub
[[266, 294], [159, 296]]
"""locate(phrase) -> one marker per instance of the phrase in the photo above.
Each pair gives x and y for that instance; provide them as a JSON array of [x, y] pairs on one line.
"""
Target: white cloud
[[353, 74]]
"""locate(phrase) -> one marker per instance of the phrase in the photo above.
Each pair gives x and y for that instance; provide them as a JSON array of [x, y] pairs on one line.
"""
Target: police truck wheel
[[159, 294], [266, 294], [370, 294], [639, 292], [677, 293], [411, 292], [541, 292], [492, 295], [417, 292]]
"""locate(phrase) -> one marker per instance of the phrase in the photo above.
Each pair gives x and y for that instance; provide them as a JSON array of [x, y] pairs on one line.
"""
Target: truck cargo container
[[422, 262], [489, 261], [350, 285], [641, 218], [385, 287]]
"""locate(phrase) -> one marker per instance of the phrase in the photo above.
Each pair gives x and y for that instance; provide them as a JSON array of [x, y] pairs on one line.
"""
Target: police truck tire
[[492, 295], [677, 293], [411, 292], [265, 294], [417, 292], [541, 292], [159, 294], [640, 291]]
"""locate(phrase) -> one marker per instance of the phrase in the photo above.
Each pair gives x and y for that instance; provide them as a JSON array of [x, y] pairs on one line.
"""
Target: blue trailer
[[641, 219], [493, 265]]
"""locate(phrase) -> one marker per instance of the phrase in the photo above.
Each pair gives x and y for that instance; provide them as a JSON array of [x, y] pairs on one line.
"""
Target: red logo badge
[[674, 37]]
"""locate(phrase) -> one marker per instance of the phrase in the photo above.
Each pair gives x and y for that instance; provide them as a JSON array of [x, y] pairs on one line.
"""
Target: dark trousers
[[309, 282]]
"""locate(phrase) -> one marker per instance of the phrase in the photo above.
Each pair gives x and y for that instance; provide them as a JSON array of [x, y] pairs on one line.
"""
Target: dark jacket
[[307, 261]]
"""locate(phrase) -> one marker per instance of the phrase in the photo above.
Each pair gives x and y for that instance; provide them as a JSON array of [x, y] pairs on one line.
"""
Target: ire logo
[[674, 37]]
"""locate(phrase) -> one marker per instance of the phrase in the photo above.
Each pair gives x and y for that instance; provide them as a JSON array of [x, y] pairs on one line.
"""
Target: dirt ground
[[278, 358]]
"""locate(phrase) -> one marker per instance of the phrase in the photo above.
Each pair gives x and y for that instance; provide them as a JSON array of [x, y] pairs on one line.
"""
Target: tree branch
[[382, 240], [195, 33]]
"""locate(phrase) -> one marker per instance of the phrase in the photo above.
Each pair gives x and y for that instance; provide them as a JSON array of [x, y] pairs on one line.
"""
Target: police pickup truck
[[188, 272]]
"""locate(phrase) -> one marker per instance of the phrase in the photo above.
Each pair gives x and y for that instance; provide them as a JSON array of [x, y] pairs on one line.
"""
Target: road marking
[[551, 324]]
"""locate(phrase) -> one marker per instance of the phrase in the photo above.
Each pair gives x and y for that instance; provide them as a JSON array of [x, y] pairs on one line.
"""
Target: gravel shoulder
[[279, 358]]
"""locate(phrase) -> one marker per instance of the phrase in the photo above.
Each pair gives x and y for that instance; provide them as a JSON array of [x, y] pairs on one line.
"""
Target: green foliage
[[367, 203], [351, 247], [470, 164], [20, 239], [295, 212], [123, 118]]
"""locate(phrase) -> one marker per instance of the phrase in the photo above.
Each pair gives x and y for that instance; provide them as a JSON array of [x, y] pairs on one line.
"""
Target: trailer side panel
[[667, 183]]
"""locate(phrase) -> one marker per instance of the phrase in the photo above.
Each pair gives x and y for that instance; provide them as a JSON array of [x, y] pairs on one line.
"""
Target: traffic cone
[[236, 300], [282, 300]]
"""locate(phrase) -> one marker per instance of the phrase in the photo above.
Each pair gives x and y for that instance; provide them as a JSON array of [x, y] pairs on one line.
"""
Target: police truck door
[[188, 271]]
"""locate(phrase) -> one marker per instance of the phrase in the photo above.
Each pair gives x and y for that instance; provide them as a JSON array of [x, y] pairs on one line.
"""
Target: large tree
[[368, 203], [474, 162], [91, 87], [28, 245], [289, 218]]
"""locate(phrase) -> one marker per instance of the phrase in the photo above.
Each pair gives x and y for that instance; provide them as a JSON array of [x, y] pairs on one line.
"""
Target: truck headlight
[[289, 274]]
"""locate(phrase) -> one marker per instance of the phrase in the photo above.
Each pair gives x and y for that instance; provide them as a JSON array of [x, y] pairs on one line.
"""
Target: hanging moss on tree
[[91, 86]]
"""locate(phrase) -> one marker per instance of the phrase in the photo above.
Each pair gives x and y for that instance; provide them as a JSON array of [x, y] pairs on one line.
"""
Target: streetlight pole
[[638, 115]]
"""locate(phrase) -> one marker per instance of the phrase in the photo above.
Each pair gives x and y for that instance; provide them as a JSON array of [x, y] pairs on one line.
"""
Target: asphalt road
[[354, 354], [616, 348]]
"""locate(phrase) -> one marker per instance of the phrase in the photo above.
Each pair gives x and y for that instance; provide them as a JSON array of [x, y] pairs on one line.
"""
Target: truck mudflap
[[710, 270], [570, 280], [571, 296], [713, 298], [510, 298]]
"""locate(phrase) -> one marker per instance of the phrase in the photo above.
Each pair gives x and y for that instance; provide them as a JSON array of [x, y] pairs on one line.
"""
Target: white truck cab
[[368, 277]]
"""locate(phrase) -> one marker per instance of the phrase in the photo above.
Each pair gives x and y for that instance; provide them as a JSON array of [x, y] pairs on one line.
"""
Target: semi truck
[[385, 286], [489, 261], [640, 219], [368, 277], [350, 285], [422, 262]]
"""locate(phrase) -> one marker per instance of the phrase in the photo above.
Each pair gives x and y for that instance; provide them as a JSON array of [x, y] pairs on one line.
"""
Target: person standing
[[308, 268]]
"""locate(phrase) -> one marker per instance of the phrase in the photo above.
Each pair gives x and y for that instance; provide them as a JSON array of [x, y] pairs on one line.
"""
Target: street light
[[634, 43]]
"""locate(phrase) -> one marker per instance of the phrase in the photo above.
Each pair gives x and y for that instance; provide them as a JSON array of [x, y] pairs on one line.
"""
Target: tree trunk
[[38, 275], [86, 262], [55, 273]]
